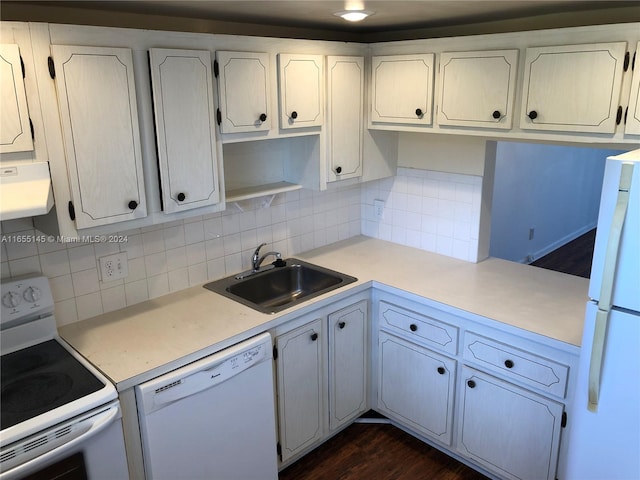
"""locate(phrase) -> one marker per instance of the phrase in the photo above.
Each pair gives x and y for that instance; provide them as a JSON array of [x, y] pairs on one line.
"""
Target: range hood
[[25, 190]]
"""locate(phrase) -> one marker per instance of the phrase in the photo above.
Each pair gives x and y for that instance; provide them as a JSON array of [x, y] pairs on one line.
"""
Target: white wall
[[552, 189]]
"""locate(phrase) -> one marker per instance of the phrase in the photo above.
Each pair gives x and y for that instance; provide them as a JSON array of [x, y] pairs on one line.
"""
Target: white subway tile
[[55, 264], [153, 242], [178, 279], [136, 292], [193, 232], [66, 312], [61, 287], [158, 285], [155, 264], [85, 281], [214, 248], [197, 274], [113, 298], [21, 244], [81, 258], [25, 266], [133, 246], [174, 237], [176, 258], [212, 228], [89, 305], [137, 270]]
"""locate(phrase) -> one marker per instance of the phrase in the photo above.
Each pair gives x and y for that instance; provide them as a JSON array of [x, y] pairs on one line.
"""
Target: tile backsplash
[[428, 210]]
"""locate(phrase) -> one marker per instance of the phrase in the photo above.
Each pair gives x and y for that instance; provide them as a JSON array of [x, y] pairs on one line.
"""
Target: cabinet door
[[477, 88], [633, 113], [415, 387], [347, 364], [526, 428], [300, 388], [243, 88], [572, 88], [185, 128], [99, 115], [402, 89], [15, 131], [300, 90], [345, 89]]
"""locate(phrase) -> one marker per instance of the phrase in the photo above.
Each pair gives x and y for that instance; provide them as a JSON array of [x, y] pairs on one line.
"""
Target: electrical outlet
[[378, 208], [114, 267], [532, 232]]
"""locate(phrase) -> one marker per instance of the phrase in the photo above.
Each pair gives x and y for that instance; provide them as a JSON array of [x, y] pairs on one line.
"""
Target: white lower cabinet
[[510, 431], [321, 370], [301, 388], [415, 387]]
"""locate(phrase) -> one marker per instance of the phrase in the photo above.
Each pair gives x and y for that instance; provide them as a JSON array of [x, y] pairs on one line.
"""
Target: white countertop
[[145, 340]]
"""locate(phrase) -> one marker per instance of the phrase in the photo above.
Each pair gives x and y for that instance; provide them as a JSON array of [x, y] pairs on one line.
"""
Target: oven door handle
[[89, 426]]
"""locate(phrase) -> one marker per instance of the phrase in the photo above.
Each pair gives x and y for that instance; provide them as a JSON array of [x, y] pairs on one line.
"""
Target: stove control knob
[[11, 299], [32, 294]]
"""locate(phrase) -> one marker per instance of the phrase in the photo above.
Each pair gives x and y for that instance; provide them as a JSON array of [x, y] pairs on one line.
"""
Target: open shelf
[[260, 191]]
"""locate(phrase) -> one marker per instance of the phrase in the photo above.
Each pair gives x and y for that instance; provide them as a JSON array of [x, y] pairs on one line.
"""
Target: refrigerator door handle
[[606, 290]]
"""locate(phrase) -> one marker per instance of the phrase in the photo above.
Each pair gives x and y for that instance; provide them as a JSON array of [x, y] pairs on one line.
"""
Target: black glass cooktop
[[40, 378]]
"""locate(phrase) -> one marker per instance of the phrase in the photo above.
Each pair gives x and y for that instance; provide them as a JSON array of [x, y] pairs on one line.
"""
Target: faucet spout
[[256, 259]]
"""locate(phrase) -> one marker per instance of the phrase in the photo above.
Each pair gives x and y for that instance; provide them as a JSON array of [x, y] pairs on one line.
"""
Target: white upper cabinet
[[572, 88], [633, 112], [301, 90], [185, 128], [476, 89], [99, 116], [345, 91], [402, 89], [244, 91], [15, 131]]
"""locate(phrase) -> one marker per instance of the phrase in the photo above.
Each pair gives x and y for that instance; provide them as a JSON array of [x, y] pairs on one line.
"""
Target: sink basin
[[279, 288]]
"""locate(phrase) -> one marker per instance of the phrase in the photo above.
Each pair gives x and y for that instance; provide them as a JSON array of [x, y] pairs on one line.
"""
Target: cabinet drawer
[[419, 327], [516, 364]]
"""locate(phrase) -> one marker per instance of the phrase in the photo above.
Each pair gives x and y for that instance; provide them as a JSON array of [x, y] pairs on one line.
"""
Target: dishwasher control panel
[[205, 373]]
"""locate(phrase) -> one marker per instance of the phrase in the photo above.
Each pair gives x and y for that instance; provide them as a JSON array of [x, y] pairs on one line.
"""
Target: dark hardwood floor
[[366, 451], [573, 258]]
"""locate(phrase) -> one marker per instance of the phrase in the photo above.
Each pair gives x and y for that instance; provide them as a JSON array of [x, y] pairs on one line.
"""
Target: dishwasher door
[[212, 419]]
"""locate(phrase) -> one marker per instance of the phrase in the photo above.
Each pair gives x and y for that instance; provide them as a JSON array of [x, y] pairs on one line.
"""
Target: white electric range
[[60, 417]]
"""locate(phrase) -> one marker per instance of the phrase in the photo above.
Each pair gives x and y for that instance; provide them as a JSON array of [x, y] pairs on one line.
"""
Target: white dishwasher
[[213, 419]]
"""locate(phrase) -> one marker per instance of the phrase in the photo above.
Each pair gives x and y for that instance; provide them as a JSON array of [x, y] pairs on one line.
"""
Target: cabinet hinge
[[619, 115], [625, 65], [563, 423], [33, 134], [52, 67], [279, 450], [219, 116], [22, 66], [216, 68], [275, 352], [72, 211]]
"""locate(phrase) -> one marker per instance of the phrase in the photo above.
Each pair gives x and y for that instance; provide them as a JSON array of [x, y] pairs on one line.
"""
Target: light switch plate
[[114, 267]]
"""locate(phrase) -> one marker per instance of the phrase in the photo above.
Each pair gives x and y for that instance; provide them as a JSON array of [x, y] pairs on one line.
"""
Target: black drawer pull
[[496, 114], [341, 325], [533, 115], [294, 114], [413, 327], [132, 205], [181, 197], [441, 370], [314, 337], [508, 363], [418, 112], [263, 117], [471, 384]]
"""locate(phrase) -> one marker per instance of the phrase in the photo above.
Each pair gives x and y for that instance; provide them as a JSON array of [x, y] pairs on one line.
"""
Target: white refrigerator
[[603, 430]]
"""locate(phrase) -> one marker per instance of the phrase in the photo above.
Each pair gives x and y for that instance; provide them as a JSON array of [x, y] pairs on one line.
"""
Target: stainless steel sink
[[279, 288]]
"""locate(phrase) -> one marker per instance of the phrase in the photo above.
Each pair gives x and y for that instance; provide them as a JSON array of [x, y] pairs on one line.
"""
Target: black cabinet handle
[[533, 115], [294, 114], [338, 169], [441, 370], [496, 114], [418, 112], [508, 363], [471, 384], [341, 325], [314, 337], [181, 197], [263, 117], [413, 327], [132, 204]]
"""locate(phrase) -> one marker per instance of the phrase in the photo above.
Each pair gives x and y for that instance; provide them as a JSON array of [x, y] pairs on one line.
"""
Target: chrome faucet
[[256, 259]]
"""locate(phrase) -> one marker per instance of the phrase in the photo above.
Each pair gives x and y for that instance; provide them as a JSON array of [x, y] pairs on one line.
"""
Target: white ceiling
[[318, 14], [314, 19]]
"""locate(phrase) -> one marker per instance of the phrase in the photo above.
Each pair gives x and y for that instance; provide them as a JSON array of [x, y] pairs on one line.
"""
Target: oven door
[[88, 446]]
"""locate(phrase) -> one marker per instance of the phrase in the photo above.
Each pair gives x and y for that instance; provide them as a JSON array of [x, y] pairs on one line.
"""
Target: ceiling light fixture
[[354, 15]]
